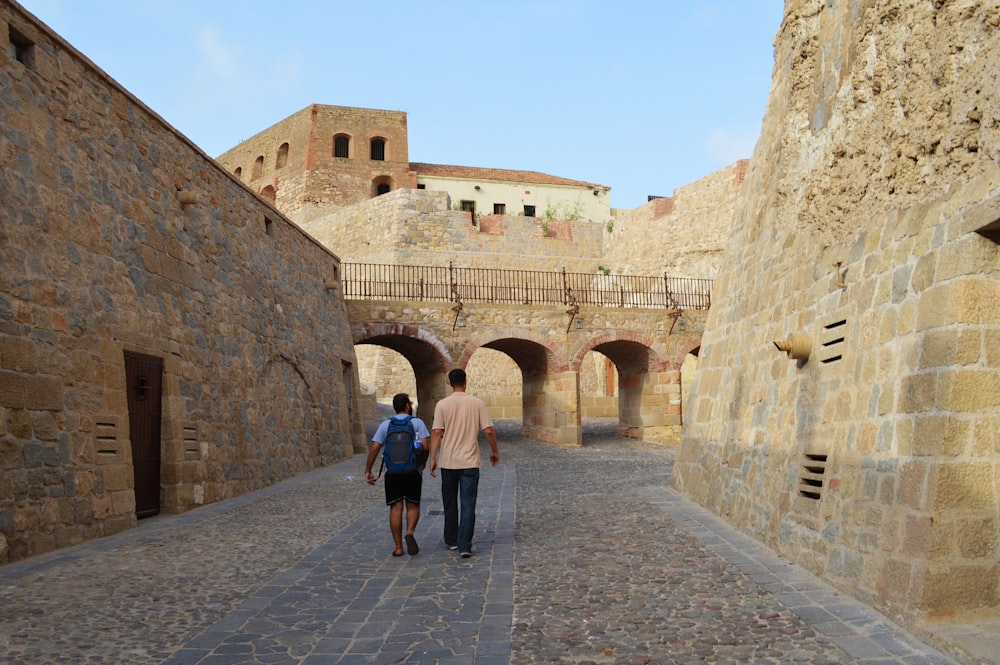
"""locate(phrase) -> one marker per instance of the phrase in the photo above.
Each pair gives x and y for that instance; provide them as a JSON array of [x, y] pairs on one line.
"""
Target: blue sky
[[643, 96]]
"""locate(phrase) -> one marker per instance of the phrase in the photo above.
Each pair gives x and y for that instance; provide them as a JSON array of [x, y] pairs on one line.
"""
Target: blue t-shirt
[[418, 426]]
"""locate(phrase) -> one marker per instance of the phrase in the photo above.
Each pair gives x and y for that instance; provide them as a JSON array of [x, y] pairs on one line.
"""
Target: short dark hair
[[399, 402], [456, 377]]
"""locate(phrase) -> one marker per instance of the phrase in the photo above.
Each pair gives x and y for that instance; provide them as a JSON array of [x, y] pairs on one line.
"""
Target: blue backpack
[[400, 453]]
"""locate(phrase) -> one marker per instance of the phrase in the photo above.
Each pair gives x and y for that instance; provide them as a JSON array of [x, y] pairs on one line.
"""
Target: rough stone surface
[[864, 224], [119, 235]]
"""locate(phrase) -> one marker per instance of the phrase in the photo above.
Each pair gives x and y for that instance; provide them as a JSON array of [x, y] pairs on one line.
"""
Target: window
[[529, 211], [342, 146], [258, 168], [269, 193], [21, 48], [378, 150], [499, 208], [383, 188], [239, 172], [421, 185], [470, 207], [282, 160]]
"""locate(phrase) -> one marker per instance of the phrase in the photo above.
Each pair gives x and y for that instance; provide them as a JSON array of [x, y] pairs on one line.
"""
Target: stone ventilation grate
[[106, 438], [832, 342], [191, 441], [811, 477]]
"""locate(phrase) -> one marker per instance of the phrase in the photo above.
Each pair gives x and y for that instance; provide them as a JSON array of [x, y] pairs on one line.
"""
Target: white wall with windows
[[577, 202]]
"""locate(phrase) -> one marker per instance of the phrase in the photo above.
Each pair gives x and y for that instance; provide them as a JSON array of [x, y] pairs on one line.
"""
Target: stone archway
[[648, 387], [427, 356], [550, 393]]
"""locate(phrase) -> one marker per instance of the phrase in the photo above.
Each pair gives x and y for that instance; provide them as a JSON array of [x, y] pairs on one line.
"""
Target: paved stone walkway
[[583, 556]]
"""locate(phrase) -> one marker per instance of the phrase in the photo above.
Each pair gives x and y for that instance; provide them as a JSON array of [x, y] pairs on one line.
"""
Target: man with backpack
[[403, 441]]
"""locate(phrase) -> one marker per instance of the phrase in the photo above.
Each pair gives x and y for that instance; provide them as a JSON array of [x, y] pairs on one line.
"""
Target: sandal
[[411, 544], [397, 553]]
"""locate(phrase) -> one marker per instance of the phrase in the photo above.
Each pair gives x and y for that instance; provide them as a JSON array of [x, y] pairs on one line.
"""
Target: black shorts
[[403, 486]]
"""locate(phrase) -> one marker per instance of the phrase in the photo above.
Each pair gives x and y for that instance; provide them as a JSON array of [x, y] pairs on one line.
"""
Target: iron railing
[[370, 281]]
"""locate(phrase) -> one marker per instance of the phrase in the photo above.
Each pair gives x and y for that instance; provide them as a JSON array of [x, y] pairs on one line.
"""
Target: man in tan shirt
[[458, 419]]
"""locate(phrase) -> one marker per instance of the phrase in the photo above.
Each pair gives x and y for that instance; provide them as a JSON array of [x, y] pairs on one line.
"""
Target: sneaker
[[465, 555], [453, 547]]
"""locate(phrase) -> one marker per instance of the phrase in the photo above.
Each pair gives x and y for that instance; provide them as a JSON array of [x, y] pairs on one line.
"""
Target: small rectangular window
[[529, 211], [378, 150], [21, 48], [499, 208], [421, 185]]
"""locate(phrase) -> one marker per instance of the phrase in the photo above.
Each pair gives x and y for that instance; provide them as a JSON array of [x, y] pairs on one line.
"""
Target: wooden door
[[144, 375]]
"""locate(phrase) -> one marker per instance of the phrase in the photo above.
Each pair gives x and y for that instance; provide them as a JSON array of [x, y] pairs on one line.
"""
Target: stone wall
[[418, 227], [119, 235], [684, 235], [865, 223]]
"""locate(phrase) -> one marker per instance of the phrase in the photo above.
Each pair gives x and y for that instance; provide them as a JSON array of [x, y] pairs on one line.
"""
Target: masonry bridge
[[546, 322]]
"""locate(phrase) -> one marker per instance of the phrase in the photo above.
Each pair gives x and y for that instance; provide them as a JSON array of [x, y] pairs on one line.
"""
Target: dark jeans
[[459, 486]]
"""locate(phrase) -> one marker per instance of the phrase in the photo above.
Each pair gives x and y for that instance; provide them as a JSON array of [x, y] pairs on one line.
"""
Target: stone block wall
[[684, 235], [419, 227], [119, 235], [864, 223]]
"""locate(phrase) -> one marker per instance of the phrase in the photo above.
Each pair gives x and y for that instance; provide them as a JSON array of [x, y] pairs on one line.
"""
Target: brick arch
[[682, 353], [517, 344], [427, 355], [383, 181], [412, 342], [659, 358]]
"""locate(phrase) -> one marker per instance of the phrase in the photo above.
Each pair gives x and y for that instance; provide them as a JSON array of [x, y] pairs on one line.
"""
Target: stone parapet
[[418, 227], [684, 235]]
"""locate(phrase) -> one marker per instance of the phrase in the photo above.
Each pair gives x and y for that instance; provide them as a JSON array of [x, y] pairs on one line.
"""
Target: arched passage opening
[[425, 379], [598, 386], [549, 391], [496, 379], [648, 392]]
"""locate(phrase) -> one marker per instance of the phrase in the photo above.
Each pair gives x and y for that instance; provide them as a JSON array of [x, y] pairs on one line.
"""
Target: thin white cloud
[[220, 58], [727, 145]]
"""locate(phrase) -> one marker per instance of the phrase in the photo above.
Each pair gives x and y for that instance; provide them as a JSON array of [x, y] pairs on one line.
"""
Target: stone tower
[[325, 157]]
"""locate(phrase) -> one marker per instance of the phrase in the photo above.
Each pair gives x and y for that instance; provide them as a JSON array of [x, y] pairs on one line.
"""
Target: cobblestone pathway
[[603, 564], [605, 574]]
